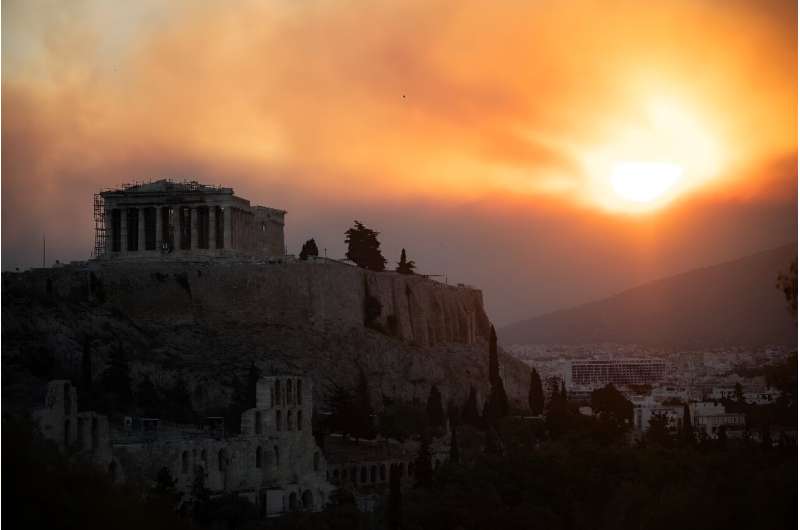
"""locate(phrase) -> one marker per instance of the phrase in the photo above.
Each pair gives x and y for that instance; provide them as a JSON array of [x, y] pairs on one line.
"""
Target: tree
[[535, 393], [455, 453], [738, 392], [687, 432], [164, 492], [179, 401], [787, 284], [309, 250], [469, 412], [147, 398], [403, 266], [394, 509], [253, 375], [496, 406], [434, 409], [423, 468], [351, 411], [363, 248], [658, 430], [117, 382], [612, 406]]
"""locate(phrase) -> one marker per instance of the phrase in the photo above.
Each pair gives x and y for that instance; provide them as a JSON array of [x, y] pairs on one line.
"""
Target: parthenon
[[169, 219]]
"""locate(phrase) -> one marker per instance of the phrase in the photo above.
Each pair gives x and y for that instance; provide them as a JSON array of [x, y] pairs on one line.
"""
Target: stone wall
[[317, 293]]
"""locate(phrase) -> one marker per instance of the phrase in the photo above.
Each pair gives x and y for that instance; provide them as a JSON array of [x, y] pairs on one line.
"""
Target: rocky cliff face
[[208, 321]]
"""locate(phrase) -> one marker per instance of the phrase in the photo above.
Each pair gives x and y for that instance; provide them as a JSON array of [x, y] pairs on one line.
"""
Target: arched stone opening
[[259, 456], [308, 500]]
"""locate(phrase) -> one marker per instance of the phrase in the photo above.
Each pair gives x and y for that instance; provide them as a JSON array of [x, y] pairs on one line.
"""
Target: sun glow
[[644, 182], [652, 157]]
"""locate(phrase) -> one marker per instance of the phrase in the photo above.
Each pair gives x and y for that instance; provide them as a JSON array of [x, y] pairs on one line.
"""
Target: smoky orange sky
[[480, 136]]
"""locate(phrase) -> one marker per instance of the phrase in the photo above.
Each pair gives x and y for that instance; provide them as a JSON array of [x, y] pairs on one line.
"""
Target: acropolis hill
[[207, 315]]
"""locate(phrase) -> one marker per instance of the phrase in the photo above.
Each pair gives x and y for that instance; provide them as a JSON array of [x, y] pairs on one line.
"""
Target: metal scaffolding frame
[[99, 226]]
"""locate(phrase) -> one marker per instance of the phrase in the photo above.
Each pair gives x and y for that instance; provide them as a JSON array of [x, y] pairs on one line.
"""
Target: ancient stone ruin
[[169, 219], [275, 463]]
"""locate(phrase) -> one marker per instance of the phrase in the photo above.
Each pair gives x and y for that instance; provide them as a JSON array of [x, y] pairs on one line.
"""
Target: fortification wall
[[316, 294]]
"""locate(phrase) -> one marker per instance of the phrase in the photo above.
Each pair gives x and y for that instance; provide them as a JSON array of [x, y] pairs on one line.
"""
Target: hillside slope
[[733, 303], [206, 322]]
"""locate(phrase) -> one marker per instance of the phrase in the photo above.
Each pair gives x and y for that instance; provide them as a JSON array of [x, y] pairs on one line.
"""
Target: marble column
[[159, 229], [176, 228], [123, 230], [140, 235], [193, 225], [227, 216], [212, 227]]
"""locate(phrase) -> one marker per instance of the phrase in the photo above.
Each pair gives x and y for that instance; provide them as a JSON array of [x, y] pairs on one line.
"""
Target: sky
[[548, 152]]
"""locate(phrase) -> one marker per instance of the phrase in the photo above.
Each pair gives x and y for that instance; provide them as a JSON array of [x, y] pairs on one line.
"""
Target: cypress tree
[[434, 409], [404, 266], [496, 406], [455, 453], [423, 468], [535, 393], [687, 433], [469, 413], [394, 510], [253, 375]]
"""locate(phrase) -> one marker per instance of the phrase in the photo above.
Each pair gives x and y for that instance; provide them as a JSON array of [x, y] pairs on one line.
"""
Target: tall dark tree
[[117, 382], [147, 398], [363, 412], [738, 392], [179, 401], [253, 375], [469, 412], [496, 406], [535, 393], [86, 371], [309, 249], [455, 451], [363, 248], [164, 492], [612, 406], [394, 508], [423, 467], [434, 409], [658, 430], [404, 266], [687, 432], [787, 284]]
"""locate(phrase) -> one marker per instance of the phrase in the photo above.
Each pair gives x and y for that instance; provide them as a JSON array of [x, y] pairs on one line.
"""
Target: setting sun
[[644, 182]]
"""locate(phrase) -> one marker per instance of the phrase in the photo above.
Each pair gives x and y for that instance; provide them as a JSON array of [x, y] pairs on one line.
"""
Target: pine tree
[[394, 510], [423, 467], [147, 398], [434, 409], [117, 381], [739, 394], [469, 413], [403, 266], [253, 375], [687, 433], [535, 393], [364, 249], [455, 453], [309, 249]]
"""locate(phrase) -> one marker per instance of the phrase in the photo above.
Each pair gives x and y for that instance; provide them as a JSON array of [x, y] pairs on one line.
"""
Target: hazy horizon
[[484, 143]]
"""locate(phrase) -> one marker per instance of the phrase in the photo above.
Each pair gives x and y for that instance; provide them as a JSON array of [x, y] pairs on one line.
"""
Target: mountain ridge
[[725, 304]]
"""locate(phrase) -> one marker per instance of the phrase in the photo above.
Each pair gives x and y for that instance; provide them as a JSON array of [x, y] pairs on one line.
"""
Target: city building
[[709, 418], [168, 219], [599, 373]]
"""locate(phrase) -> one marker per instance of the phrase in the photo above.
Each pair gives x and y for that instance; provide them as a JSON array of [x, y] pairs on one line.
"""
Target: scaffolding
[[99, 226]]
